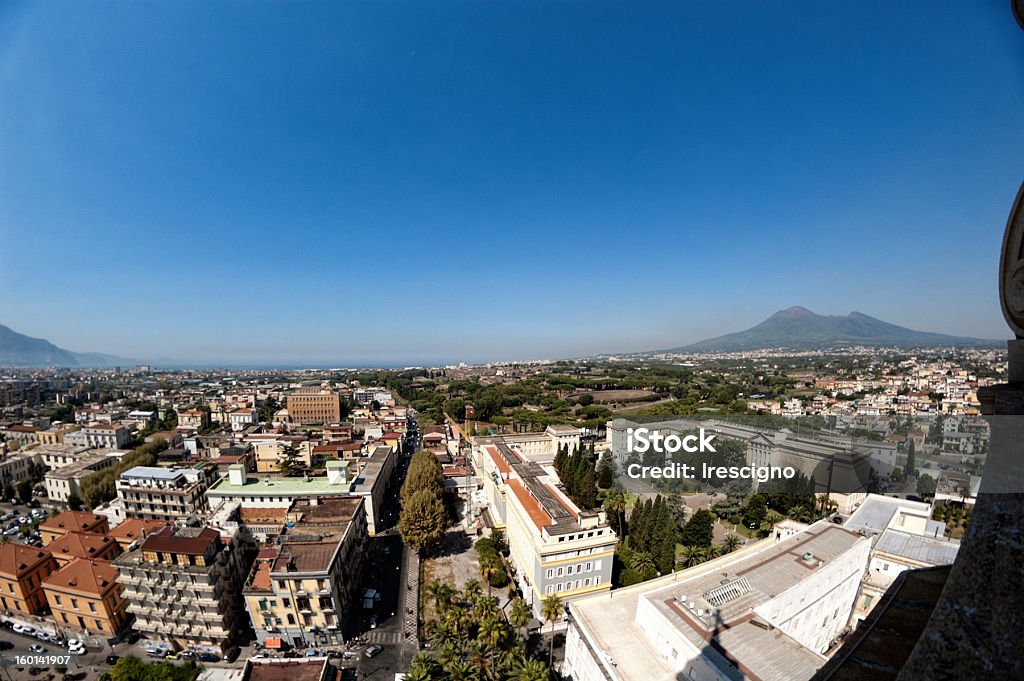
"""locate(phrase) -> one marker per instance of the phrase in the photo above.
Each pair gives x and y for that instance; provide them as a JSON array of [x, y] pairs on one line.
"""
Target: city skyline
[[400, 184]]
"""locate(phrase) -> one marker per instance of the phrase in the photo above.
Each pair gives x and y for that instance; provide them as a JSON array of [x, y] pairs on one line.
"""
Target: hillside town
[[220, 518]]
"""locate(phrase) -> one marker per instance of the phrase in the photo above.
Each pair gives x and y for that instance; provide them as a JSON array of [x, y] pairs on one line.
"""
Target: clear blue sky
[[391, 182]]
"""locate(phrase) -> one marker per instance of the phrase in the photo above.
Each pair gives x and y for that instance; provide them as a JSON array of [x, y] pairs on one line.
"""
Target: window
[[74, 603], [55, 597], [559, 572], [92, 607], [867, 601], [550, 573], [590, 566]]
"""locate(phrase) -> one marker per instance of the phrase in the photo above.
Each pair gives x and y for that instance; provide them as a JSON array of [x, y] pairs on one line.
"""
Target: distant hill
[[19, 350], [800, 329]]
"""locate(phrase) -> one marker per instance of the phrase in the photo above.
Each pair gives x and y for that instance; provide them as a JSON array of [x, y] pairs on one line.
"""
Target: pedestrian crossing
[[377, 636]]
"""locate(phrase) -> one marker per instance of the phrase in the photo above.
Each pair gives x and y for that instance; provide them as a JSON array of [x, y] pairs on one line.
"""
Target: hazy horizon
[[469, 182]]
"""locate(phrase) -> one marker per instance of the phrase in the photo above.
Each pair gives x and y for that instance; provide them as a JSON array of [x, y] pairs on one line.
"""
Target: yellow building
[[55, 435], [314, 405], [84, 596], [302, 590], [72, 521], [22, 571]]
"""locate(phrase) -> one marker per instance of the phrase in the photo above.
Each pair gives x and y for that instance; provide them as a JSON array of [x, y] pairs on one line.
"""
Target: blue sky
[[392, 182]]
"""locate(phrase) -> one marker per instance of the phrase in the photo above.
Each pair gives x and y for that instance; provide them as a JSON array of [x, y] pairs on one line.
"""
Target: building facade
[[152, 493], [314, 405], [22, 571], [84, 596], [303, 588], [183, 587]]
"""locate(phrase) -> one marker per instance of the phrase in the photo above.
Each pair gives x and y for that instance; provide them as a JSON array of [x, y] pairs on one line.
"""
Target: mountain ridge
[[798, 328], [19, 350]]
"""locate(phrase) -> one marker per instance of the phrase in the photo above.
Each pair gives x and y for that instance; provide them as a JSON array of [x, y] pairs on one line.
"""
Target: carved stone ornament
[[1011, 268]]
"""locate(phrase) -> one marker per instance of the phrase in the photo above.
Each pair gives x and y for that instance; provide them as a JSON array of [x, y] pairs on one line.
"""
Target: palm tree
[[423, 668], [471, 592], [772, 517], [615, 503], [730, 543], [552, 609], [689, 556], [643, 563], [490, 632], [519, 614], [532, 670], [489, 567], [461, 670]]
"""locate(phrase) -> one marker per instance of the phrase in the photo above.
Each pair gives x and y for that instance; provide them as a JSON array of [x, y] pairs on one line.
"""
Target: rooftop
[[15, 558], [192, 541], [80, 545], [135, 528], [874, 514], [67, 521], [276, 487], [930, 550], [292, 670], [92, 577]]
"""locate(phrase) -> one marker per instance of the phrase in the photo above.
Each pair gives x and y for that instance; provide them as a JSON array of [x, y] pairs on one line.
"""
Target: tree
[[926, 485], [615, 504], [532, 670], [289, 462], [552, 609], [910, 468], [519, 614], [730, 543], [25, 491], [425, 473], [754, 512], [606, 470], [699, 530], [75, 502], [9, 490], [423, 520]]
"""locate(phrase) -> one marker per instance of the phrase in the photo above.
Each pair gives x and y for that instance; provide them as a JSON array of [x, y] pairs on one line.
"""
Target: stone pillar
[[977, 628]]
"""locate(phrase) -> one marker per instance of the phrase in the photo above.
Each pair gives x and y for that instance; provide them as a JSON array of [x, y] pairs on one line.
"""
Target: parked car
[[232, 654], [373, 650], [6, 645], [112, 659], [156, 652], [25, 629], [36, 648], [132, 637], [313, 653], [208, 657], [76, 647]]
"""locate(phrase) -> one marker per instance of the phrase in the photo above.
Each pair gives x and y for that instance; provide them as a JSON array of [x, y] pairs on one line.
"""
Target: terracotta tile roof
[[68, 521], [16, 559], [498, 459], [533, 509], [93, 577], [135, 528], [80, 545], [176, 540]]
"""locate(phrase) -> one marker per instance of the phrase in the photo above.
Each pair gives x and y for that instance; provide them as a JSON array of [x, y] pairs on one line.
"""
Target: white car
[[76, 647], [24, 629]]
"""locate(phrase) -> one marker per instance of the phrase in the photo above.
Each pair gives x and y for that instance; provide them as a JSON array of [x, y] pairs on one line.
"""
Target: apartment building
[[22, 571], [108, 436], [153, 493], [768, 612], [84, 596], [266, 491], [182, 585], [59, 455], [557, 548], [194, 418], [303, 588], [88, 545], [16, 466], [72, 521], [371, 482], [54, 435], [314, 405], [64, 481]]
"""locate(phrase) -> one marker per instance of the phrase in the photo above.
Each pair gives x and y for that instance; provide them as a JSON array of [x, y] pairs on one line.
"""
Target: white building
[[770, 612], [104, 435], [556, 547]]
